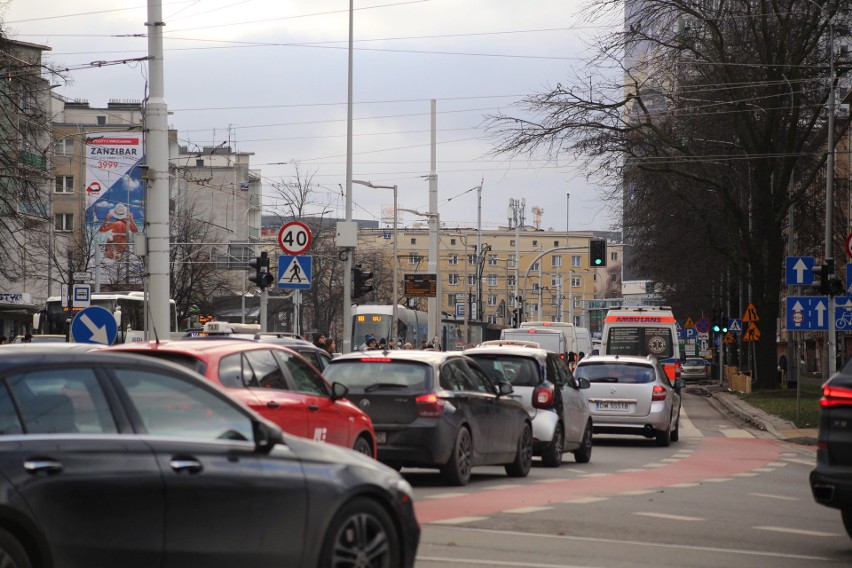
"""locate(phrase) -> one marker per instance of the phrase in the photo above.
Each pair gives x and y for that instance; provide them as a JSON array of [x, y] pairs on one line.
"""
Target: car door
[[476, 405], [505, 414], [328, 421], [575, 407], [226, 503], [266, 382], [96, 493]]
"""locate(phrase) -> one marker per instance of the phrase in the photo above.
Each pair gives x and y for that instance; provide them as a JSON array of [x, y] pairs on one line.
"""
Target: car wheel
[[552, 455], [362, 446], [664, 437], [361, 534], [583, 454], [676, 432], [457, 470], [846, 515], [12, 554], [523, 458]]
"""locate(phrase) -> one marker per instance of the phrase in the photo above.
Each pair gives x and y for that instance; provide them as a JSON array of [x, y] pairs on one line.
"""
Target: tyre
[[362, 533], [676, 432], [846, 515], [664, 437], [552, 455], [362, 446], [457, 470], [583, 454], [523, 457], [12, 554]]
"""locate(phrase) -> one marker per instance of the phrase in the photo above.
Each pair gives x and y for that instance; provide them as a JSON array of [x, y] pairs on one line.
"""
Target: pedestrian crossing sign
[[294, 272]]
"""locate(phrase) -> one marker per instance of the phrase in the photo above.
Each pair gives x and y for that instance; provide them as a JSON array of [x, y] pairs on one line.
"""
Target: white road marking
[[776, 464], [746, 474], [809, 463], [717, 479], [444, 495], [525, 510], [655, 465], [635, 543], [670, 517], [686, 428], [501, 487], [736, 433], [630, 470], [594, 474], [684, 485], [670, 460], [585, 500], [781, 497], [640, 492], [795, 531], [459, 520], [456, 561]]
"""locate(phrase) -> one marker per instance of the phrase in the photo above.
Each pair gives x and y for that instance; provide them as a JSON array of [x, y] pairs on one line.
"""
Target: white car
[[553, 398], [630, 394]]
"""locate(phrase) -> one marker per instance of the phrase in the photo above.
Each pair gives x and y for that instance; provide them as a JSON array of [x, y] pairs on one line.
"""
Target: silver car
[[694, 368], [553, 398], [632, 395]]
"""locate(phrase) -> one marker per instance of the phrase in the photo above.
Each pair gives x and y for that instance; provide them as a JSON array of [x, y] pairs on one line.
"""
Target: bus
[[128, 308], [412, 326]]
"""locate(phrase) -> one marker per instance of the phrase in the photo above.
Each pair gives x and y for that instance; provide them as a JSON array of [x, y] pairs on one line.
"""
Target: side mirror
[[504, 389], [583, 383], [266, 436], [679, 384], [338, 390]]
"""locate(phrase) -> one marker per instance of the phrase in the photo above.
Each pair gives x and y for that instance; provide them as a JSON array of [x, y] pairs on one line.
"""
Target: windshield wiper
[[376, 386]]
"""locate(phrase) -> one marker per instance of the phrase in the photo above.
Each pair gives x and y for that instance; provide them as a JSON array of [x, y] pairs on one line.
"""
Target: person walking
[[330, 345]]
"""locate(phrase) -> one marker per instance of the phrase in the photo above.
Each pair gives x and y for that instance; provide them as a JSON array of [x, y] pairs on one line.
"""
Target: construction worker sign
[[294, 272]]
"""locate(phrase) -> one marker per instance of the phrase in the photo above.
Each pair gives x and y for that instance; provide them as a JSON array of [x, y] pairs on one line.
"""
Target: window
[[555, 243], [452, 242], [64, 147], [492, 260], [510, 261], [555, 300], [512, 243], [556, 261], [453, 259], [413, 258], [199, 163], [267, 373], [613, 256], [414, 240], [170, 406], [492, 318], [535, 242], [64, 184], [554, 281], [471, 259], [575, 261], [453, 280], [576, 282], [492, 300], [101, 120], [536, 266], [535, 286], [305, 379], [492, 279], [510, 281], [63, 222], [471, 280], [234, 371]]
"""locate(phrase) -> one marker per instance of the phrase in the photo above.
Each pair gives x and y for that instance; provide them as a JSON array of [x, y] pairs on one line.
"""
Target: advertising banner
[[115, 206]]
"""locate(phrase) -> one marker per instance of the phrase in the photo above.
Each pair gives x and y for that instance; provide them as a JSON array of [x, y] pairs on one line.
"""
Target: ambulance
[[643, 330]]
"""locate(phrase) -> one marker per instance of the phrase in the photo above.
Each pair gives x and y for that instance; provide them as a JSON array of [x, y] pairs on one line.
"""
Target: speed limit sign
[[294, 238]]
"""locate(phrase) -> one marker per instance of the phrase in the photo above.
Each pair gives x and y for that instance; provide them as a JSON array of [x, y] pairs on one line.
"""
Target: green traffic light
[[597, 262], [717, 329]]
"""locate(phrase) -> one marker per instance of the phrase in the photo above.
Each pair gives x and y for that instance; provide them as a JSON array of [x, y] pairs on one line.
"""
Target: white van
[[548, 339], [577, 339], [645, 330]]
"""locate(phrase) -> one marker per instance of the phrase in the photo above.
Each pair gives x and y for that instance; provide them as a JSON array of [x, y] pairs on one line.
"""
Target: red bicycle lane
[[712, 458]]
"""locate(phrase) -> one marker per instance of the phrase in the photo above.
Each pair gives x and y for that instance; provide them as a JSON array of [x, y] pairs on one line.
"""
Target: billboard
[[115, 194]]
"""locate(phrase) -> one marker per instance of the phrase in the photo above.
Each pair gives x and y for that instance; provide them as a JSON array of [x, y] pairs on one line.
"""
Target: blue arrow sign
[[849, 277], [799, 271], [807, 313], [94, 325], [295, 272]]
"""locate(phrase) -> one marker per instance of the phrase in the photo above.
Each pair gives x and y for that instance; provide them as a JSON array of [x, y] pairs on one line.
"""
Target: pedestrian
[[319, 340], [572, 361], [782, 369], [3, 340], [331, 346], [383, 344], [369, 343], [408, 346], [28, 338], [580, 356], [423, 344]]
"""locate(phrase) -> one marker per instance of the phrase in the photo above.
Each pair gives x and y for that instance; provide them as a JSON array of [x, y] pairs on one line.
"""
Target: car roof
[[430, 357], [199, 346], [7, 348], [59, 353], [513, 350], [633, 359]]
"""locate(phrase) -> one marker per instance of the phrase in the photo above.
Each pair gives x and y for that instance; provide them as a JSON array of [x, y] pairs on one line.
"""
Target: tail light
[[543, 396], [835, 396], [659, 393], [429, 406]]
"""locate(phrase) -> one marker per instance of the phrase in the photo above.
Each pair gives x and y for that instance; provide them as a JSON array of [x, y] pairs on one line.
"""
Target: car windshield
[[520, 371], [366, 372], [622, 373]]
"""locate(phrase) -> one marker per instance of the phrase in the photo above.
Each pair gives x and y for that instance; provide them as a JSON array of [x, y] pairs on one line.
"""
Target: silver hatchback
[[632, 395]]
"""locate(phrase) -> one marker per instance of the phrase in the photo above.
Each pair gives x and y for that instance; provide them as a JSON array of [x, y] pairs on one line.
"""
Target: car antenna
[[153, 325]]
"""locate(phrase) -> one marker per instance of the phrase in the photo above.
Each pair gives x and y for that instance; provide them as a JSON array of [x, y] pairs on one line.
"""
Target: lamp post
[[433, 262], [395, 293]]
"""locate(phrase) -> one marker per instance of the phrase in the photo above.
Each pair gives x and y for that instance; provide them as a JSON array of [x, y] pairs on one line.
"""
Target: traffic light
[[829, 284], [597, 252], [262, 278], [720, 324], [360, 281]]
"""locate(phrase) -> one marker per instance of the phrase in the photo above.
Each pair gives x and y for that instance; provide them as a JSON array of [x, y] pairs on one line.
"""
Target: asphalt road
[[724, 495]]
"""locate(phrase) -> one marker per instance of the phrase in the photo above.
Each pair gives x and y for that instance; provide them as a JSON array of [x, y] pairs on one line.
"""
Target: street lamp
[[436, 317], [395, 293]]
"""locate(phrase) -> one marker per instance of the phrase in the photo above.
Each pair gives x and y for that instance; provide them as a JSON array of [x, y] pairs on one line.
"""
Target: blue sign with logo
[[295, 272], [799, 270], [94, 325], [807, 313]]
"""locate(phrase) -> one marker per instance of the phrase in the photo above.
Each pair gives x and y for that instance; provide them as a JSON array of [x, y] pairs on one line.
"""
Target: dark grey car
[[437, 409], [111, 459]]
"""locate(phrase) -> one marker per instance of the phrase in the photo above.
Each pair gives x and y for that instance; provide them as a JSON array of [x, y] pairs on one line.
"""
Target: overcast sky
[[270, 77]]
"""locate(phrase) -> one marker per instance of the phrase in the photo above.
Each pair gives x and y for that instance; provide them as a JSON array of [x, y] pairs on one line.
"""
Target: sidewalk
[[777, 427]]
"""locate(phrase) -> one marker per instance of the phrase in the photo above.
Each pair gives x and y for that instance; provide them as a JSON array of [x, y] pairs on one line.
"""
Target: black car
[[831, 481], [437, 409], [112, 459]]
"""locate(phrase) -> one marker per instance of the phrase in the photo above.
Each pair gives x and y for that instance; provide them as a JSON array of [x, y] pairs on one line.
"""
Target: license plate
[[381, 437], [610, 405]]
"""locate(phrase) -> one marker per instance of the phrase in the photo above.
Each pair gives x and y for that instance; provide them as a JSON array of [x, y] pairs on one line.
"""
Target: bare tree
[[715, 106]]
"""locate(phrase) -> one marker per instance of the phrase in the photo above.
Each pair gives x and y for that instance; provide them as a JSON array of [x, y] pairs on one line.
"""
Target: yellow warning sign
[[729, 338], [750, 313], [752, 333], [689, 323]]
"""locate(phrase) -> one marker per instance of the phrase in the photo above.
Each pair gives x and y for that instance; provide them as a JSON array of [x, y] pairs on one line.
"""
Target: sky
[[270, 77]]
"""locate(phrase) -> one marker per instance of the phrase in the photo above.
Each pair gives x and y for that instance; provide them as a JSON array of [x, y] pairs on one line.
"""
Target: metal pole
[[434, 303], [829, 196], [347, 270]]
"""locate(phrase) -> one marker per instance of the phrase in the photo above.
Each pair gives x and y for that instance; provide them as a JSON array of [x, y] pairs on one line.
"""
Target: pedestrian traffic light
[[262, 278], [597, 252], [360, 281]]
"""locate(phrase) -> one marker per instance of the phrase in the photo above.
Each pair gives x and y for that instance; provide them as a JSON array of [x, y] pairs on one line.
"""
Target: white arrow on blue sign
[[799, 271], [807, 313], [94, 325]]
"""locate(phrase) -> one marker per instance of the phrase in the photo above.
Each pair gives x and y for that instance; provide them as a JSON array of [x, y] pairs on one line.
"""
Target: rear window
[[629, 340], [622, 373], [520, 371], [694, 363], [366, 372]]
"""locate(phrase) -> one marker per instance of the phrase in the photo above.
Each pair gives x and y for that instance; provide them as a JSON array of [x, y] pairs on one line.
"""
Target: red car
[[277, 383]]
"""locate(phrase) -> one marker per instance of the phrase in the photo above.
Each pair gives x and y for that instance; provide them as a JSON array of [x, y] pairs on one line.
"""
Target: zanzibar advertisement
[[115, 196]]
